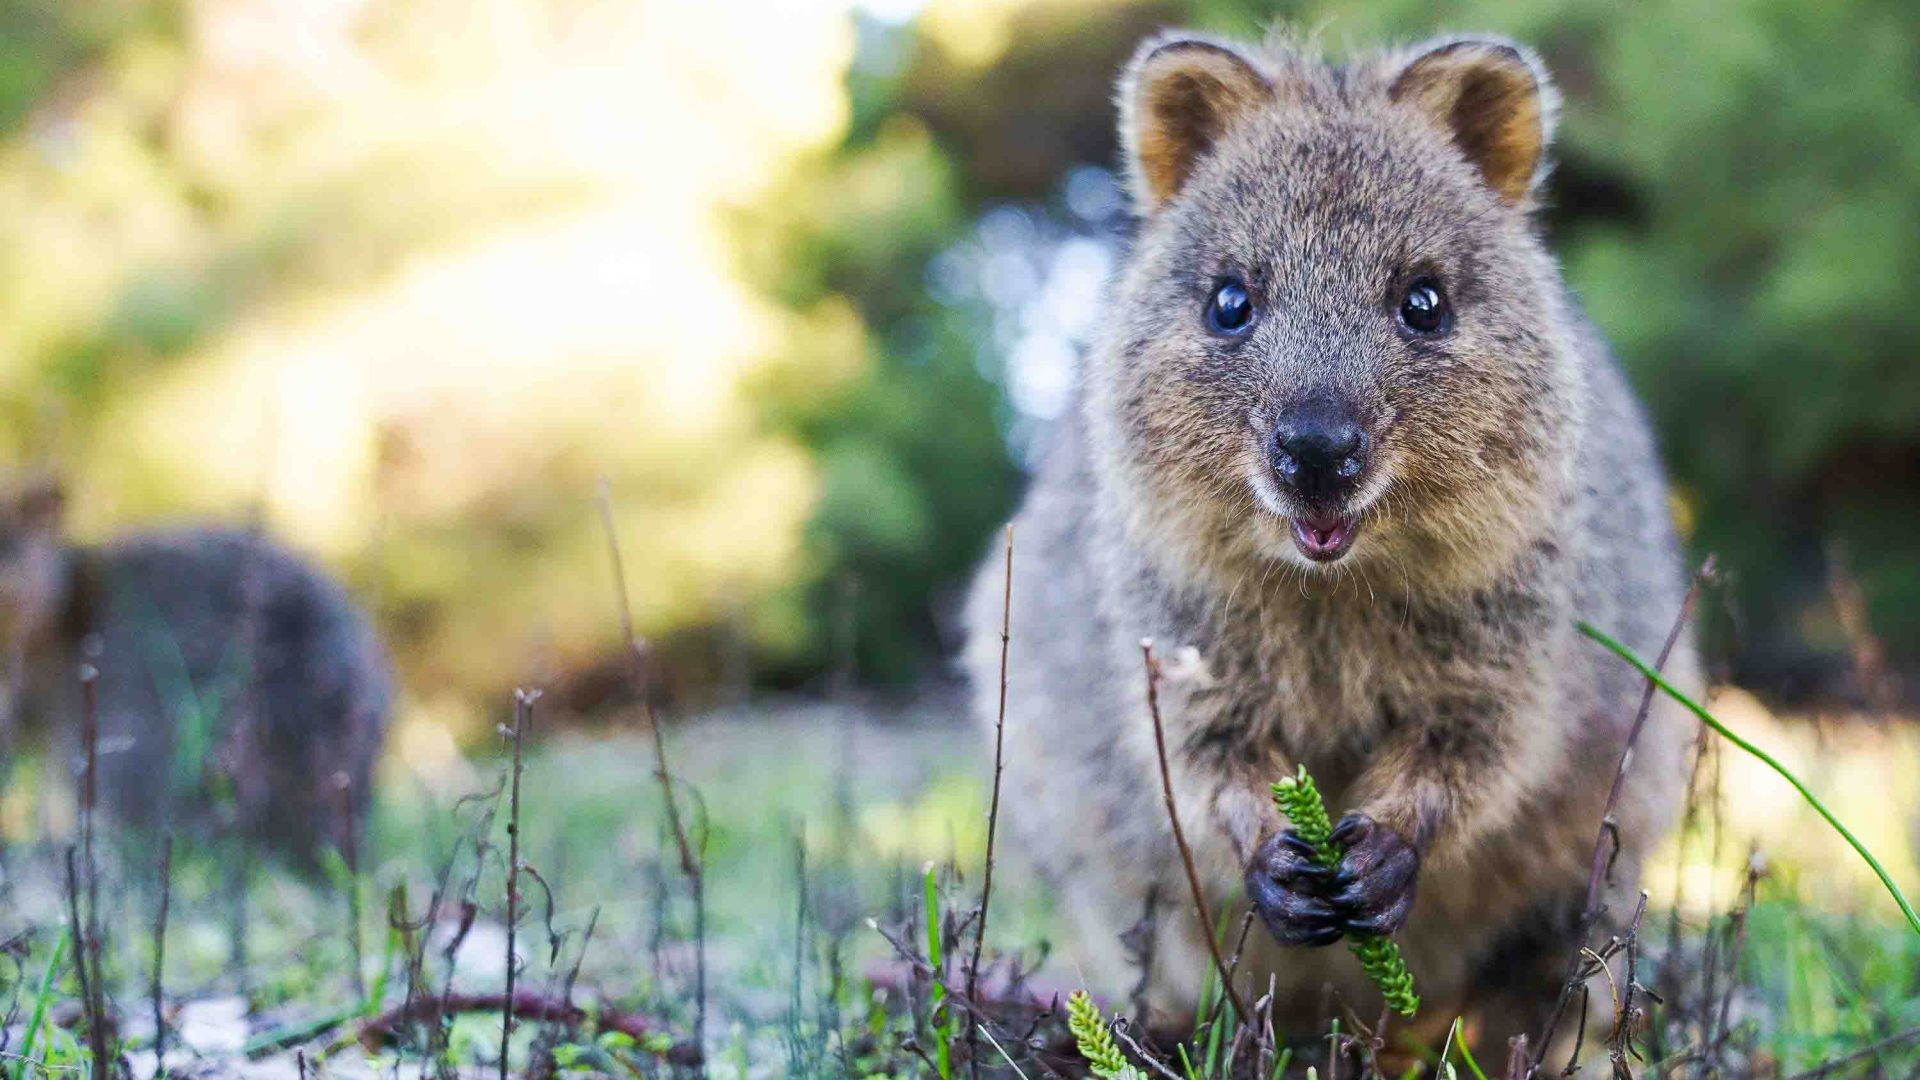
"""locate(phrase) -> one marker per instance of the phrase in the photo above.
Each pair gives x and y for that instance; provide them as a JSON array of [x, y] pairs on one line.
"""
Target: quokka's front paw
[[1293, 892], [1372, 888]]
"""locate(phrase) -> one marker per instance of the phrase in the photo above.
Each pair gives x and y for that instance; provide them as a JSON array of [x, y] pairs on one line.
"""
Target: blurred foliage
[[1737, 191], [913, 468], [404, 280], [408, 277]]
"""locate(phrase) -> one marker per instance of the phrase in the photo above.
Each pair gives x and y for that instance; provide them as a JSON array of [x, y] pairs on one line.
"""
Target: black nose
[[1319, 450]]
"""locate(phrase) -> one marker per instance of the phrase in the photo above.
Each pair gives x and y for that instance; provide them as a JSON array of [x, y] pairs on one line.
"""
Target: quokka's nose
[[1319, 450]]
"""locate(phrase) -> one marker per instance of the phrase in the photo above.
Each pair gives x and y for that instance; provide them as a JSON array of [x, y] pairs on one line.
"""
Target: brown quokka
[[239, 692], [1353, 458]]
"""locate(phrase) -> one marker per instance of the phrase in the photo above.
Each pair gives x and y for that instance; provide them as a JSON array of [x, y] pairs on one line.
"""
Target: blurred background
[[807, 282]]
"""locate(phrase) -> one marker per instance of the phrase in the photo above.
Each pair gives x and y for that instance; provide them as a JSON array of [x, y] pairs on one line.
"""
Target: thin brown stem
[[1121, 1030], [89, 974], [89, 812], [1620, 1039], [522, 713], [156, 987], [1607, 844], [993, 807], [1718, 1020], [690, 863], [88, 954], [374, 1031], [1180, 836]]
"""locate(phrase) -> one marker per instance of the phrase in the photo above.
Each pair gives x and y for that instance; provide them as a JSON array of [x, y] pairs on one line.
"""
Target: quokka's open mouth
[[1324, 537]]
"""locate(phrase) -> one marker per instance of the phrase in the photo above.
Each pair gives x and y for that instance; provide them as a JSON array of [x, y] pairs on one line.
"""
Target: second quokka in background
[[240, 692], [1349, 450]]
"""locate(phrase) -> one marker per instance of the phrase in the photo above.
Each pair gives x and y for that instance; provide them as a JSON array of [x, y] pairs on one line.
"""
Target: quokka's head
[[1338, 340]]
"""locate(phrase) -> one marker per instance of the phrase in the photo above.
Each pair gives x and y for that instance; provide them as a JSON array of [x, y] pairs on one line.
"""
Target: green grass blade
[[1458, 1038], [943, 1051], [377, 989], [40, 1001], [1767, 759]]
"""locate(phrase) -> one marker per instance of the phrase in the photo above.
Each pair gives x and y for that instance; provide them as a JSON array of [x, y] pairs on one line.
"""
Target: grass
[[43, 996], [800, 985]]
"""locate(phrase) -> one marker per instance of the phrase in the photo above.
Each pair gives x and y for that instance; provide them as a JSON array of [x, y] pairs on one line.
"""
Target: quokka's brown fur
[[240, 692], [1432, 678]]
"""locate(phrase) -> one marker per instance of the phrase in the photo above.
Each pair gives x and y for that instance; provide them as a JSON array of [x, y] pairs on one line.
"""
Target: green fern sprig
[[1299, 799], [1095, 1041]]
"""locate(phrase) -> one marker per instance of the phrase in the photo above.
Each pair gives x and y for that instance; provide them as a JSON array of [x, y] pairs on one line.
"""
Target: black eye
[[1424, 308], [1230, 310]]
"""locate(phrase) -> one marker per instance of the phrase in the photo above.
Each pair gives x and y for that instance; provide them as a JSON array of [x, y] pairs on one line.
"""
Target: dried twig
[[993, 807], [1718, 1019], [1233, 967], [1180, 837], [87, 934], [1620, 1039], [921, 968], [1603, 851], [690, 862], [155, 985], [522, 713], [543, 1049], [1121, 1031], [1596, 873], [374, 1031], [89, 974]]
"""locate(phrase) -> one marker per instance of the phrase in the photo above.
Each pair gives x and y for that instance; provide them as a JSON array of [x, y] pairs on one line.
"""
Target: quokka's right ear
[[1494, 100], [1178, 97]]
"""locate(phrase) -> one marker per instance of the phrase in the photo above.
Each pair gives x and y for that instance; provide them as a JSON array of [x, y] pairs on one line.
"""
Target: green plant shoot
[[941, 1021], [1095, 1041], [1299, 799]]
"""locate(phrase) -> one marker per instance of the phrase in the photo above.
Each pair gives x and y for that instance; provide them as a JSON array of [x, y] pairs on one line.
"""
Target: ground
[[821, 822]]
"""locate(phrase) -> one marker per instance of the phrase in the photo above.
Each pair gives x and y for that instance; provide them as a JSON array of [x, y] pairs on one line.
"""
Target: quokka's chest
[[1337, 684]]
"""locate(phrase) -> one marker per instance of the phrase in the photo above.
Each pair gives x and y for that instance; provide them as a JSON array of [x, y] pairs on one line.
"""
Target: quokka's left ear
[[1178, 98], [1493, 99]]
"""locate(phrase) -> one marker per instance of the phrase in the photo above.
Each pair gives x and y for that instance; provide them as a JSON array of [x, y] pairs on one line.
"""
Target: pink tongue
[[1325, 532]]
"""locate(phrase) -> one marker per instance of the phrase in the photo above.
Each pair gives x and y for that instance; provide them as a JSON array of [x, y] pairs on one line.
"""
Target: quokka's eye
[[1230, 309], [1424, 308]]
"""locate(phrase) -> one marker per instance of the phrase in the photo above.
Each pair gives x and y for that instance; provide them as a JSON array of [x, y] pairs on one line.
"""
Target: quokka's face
[[1338, 338]]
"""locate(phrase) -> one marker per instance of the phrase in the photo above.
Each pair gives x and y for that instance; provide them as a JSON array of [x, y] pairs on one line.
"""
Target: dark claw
[[1290, 860], [1290, 890], [1352, 829], [1297, 844], [1381, 922], [1374, 887]]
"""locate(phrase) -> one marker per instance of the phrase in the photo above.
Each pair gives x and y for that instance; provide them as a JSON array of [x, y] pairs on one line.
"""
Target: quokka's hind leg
[[1516, 984]]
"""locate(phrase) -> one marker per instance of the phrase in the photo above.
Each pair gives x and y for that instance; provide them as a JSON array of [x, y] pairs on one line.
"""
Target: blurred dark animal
[[1350, 453], [240, 692]]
